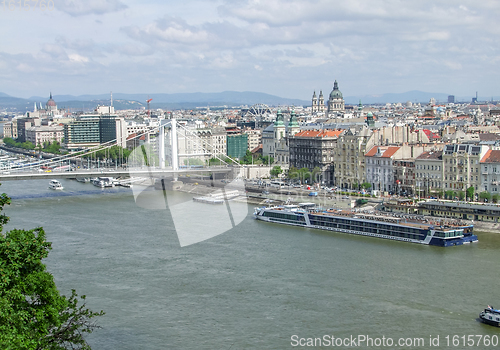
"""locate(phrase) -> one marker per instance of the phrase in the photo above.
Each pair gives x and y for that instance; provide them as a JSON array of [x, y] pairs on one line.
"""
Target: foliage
[[33, 315], [114, 153], [461, 195], [276, 171], [485, 196], [217, 161], [495, 198], [193, 161], [303, 174], [247, 158], [366, 185], [450, 194], [25, 145], [470, 192], [266, 160], [53, 147], [316, 174]]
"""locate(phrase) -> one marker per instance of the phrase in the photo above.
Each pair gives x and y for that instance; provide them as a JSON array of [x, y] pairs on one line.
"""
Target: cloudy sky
[[283, 47]]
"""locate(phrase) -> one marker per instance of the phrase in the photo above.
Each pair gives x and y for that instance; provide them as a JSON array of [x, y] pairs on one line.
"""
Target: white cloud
[[290, 47], [89, 7], [77, 58]]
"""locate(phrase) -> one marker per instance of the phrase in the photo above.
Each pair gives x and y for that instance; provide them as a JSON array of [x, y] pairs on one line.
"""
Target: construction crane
[[149, 100]]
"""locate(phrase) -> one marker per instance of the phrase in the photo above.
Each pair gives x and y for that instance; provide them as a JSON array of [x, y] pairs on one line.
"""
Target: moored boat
[[408, 228], [55, 185], [490, 316]]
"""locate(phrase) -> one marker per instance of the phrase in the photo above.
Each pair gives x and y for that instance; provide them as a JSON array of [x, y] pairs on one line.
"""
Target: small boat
[[55, 185], [490, 316]]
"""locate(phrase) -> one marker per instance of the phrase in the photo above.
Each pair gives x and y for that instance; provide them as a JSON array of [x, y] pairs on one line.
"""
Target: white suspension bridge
[[153, 159]]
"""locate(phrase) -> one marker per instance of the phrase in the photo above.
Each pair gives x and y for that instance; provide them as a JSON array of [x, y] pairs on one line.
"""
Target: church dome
[[335, 92], [51, 104]]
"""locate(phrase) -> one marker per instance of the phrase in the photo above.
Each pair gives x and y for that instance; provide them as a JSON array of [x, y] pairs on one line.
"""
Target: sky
[[287, 48]]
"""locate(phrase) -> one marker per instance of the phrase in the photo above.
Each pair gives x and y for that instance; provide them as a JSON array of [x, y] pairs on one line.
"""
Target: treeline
[[48, 147]]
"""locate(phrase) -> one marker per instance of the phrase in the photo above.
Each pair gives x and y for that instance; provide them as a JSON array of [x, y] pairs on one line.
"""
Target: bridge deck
[[110, 172]]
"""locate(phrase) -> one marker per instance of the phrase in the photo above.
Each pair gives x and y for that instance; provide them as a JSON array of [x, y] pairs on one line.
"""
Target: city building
[[490, 172], [336, 106], [38, 135], [429, 174], [91, 130], [461, 166], [237, 145], [380, 167], [382, 163], [254, 138], [318, 106], [25, 123], [349, 158], [315, 149], [404, 176]]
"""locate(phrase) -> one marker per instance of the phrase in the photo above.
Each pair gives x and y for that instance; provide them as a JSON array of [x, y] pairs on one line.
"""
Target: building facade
[[38, 135], [315, 149], [429, 174], [490, 172], [461, 166], [335, 102], [349, 159]]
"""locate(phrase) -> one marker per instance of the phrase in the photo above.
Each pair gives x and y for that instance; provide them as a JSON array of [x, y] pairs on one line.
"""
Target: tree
[[276, 171], [485, 196], [470, 192], [495, 198], [461, 195], [247, 158], [366, 185], [450, 194], [316, 174], [266, 160], [33, 315], [293, 173]]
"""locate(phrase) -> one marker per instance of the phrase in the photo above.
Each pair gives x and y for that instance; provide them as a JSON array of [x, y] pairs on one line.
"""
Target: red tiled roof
[[390, 152], [492, 156], [257, 149], [430, 134], [431, 155], [318, 133], [371, 152]]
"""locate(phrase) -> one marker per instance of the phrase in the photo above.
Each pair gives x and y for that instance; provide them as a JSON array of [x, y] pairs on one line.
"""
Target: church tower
[[279, 127], [321, 103], [293, 125], [314, 103]]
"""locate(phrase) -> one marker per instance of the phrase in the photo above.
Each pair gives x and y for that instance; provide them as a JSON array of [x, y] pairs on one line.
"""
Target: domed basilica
[[335, 104]]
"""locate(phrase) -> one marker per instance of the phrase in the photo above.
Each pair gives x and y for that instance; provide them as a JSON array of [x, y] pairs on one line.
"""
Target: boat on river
[[407, 228], [55, 185], [490, 316]]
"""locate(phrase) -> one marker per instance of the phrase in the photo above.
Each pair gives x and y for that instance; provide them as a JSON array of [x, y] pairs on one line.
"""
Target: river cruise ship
[[408, 228]]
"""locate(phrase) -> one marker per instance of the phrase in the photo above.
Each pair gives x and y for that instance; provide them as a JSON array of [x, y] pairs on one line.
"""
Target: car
[[345, 197]]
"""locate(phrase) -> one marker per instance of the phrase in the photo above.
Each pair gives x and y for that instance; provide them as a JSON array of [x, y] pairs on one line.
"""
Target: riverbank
[[257, 196]]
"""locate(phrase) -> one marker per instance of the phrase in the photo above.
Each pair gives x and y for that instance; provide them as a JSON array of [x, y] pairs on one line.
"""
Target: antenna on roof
[[111, 99]]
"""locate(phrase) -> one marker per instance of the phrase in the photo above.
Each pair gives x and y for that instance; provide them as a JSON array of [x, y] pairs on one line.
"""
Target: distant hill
[[200, 99], [412, 96], [180, 100]]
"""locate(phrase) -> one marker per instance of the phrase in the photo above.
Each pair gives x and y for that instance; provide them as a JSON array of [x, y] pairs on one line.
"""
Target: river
[[256, 286]]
